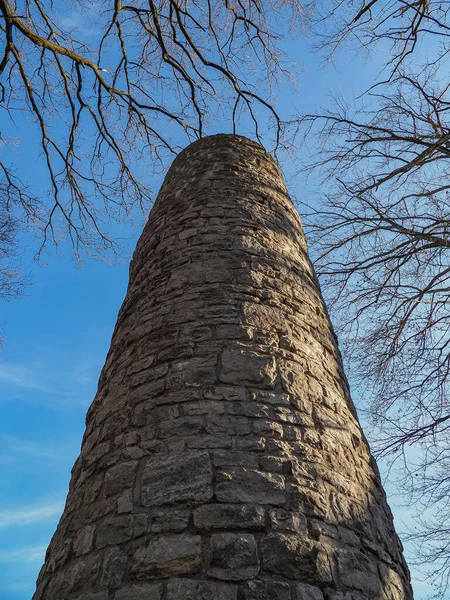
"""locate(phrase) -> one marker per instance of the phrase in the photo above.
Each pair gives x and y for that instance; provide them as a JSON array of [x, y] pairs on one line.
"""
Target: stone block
[[147, 391], [206, 440], [288, 415], [226, 425], [264, 317], [331, 594], [266, 590], [177, 478], [149, 375], [200, 371], [234, 332], [229, 516], [140, 591], [187, 233], [204, 407], [92, 596], [185, 275], [125, 502], [284, 520], [268, 428], [392, 582], [358, 571], [194, 333], [229, 393], [184, 426], [275, 464], [270, 398], [303, 591], [239, 484], [169, 555], [248, 409], [225, 458], [169, 520], [318, 528], [60, 554], [233, 556], [81, 573], [295, 558], [92, 513], [220, 313], [114, 567], [309, 502], [84, 541], [116, 530], [119, 477], [293, 378], [244, 367], [190, 589], [251, 443]]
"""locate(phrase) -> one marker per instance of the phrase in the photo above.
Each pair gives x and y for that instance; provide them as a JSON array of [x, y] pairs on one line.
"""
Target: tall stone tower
[[223, 459]]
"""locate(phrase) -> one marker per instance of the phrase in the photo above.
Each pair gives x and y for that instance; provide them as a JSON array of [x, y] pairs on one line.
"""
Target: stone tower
[[223, 459]]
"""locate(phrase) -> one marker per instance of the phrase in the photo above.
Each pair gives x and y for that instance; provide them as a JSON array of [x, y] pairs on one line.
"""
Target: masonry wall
[[222, 458]]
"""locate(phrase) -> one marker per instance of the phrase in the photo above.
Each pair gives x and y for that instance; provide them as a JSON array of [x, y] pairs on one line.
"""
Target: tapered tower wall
[[223, 459]]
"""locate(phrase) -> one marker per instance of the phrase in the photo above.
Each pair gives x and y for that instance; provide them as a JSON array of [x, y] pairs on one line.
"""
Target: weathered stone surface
[[140, 591], [93, 596], [119, 477], [295, 558], [169, 520], [116, 530], [284, 520], [233, 556], [177, 478], [249, 368], [229, 516], [356, 570], [304, 591], [84, 542], [125, 502], [264, 317], [266, 590], [249, 485], [183, 426], [190, 589], [228, 425], [223, 459], [169, 555], [81, 574], [114, 567]]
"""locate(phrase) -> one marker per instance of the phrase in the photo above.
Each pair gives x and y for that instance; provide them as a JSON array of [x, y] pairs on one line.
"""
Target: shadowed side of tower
[[222, 458]]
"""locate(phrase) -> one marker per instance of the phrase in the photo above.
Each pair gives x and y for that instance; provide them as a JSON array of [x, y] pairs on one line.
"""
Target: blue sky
[[56, 342]]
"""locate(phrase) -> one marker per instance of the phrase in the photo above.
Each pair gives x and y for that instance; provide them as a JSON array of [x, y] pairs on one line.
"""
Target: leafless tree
[[12, 281], [381, 236], [401, 28], [109, 100]]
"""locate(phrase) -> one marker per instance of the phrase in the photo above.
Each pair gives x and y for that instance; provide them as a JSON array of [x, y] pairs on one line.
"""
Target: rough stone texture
[[222, 458], [234, 556]]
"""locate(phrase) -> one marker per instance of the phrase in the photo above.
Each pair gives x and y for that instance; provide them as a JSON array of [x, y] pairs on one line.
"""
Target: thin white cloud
[[21, 377], [14, 445], [57, 393], [83, 20], [21, 555], [33, 514]]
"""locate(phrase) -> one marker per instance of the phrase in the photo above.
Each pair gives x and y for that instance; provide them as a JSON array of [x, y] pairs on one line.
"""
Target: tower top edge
[[227, 138], [224, 140], [209, 149]]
